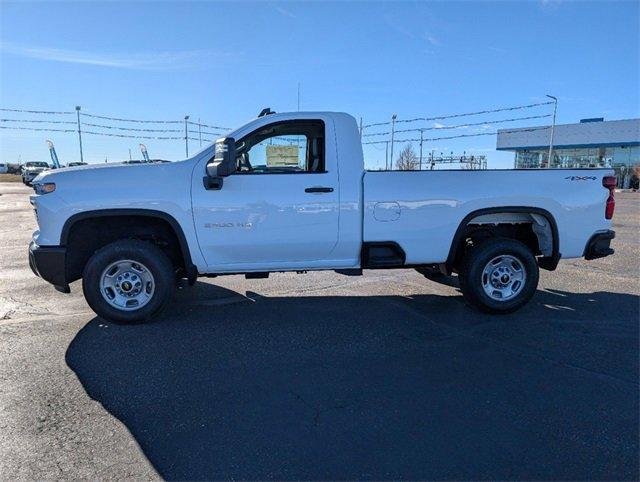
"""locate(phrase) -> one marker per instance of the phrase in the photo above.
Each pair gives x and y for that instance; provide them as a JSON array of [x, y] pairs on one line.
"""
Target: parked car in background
[[75, 164], [4, 168], [14, 168], [31, 169]]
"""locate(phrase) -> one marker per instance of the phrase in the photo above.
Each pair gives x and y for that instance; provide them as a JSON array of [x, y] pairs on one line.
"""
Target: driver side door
[[280, 209]]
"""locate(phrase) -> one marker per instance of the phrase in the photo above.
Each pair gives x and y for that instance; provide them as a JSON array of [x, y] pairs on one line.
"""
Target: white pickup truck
[[289, 192], [31, 170]]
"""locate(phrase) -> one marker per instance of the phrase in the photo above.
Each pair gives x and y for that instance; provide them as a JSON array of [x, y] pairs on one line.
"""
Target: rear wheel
[[128, 281], [499, 276]]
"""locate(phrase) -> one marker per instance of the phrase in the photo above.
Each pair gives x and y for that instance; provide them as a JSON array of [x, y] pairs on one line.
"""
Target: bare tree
[[635, 177], [408, 159]]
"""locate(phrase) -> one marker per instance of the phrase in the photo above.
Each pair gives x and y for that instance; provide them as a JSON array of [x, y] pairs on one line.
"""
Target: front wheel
[[128, 281], [499, 276]]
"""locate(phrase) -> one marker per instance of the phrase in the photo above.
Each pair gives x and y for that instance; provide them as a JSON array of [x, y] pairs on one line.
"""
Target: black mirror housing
[[222, 164], [224, 159]]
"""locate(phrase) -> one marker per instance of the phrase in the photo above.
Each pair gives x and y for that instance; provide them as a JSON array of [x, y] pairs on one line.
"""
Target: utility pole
[[200, 131], [186, 135], [553, 126], [393, 131], [129, 153], [79, 132], [386, 156], [421, 131]]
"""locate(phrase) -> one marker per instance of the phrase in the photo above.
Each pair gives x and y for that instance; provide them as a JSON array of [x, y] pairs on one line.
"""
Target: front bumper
[[49, 263], [30, 176], [598, 245]]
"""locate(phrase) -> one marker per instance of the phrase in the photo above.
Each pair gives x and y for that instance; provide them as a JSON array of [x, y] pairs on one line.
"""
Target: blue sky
[[223, 61]]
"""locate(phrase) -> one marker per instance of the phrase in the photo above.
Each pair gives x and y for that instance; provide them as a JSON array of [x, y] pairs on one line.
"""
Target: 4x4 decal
[[581, 178]]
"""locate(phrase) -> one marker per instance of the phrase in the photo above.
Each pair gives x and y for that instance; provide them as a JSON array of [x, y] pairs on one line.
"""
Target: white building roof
[[583, 134]]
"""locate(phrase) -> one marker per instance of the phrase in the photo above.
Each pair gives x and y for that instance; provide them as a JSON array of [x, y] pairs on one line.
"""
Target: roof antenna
[[265, 111]]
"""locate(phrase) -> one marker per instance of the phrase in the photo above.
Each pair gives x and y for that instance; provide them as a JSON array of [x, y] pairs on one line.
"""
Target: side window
[[281, 148]]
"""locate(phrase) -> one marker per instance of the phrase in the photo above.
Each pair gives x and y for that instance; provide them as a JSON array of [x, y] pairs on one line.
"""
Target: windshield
[[37, 164]]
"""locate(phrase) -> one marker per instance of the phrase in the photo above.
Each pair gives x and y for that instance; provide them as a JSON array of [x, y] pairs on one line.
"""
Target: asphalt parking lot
[[323, 376]]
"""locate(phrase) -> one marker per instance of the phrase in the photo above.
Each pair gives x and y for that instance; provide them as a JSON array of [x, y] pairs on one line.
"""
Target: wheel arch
[[190, 269], [546, 262]]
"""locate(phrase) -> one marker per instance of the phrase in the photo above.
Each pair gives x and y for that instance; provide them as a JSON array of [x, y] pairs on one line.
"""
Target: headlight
[[44, 187]]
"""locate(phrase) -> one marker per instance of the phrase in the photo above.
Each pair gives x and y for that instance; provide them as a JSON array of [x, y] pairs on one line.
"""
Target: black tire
[[149, 255], [474, 263]]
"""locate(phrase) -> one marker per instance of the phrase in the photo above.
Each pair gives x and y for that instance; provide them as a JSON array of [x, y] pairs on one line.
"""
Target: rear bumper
[[598, 245], [49, 263]]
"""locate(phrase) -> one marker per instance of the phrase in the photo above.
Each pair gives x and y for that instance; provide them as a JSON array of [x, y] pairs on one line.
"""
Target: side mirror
[[222, 164]]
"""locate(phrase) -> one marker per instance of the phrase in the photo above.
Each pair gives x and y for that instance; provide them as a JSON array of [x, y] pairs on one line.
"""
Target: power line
[[107, 134], [209, 126], [129, 128], [476, 113], [127, 136], [460, 136], [36, 111], [50, 129], [96, 116], [450, 116], [37, 121], [418, 129], [206, 133], [118, 119], [132, 137]]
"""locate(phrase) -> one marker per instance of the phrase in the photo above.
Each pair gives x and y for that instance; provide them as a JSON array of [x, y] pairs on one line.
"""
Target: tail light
[[610, 183]]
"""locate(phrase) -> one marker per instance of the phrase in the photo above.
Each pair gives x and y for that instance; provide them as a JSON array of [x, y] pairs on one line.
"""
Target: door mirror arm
[[212, 183]]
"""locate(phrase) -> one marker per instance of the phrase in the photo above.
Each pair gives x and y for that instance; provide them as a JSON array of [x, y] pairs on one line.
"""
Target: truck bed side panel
[[422, 210]]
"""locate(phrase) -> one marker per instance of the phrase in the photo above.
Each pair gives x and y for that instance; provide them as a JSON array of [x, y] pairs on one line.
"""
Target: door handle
[[319, 189]]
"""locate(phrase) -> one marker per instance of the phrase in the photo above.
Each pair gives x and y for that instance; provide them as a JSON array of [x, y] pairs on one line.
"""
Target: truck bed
[[421, 210]]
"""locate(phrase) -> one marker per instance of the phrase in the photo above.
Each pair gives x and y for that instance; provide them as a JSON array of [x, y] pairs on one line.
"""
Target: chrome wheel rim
[[503, 278], [127, 285]]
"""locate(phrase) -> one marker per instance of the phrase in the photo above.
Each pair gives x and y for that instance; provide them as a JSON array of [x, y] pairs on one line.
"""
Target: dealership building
[[589, 143]]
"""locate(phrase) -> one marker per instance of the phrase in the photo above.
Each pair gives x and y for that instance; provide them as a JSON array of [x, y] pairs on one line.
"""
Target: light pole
[[553, 126], [186, 135], [421, 131], [79, 132], [393, 131], [386, 155]]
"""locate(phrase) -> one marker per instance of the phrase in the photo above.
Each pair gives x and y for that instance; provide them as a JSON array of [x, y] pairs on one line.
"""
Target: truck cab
[[292, 201]]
